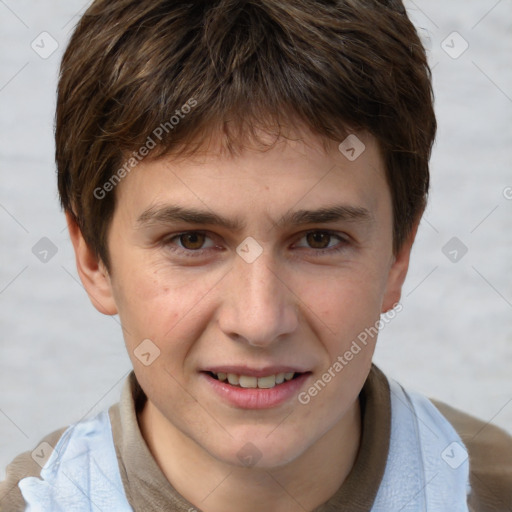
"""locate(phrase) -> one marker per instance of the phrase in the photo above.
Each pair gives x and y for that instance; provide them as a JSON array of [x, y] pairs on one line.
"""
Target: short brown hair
[[238, 65]]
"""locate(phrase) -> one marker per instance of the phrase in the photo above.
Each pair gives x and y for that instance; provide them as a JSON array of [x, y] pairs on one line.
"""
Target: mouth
[[248, 388], [253, 382]]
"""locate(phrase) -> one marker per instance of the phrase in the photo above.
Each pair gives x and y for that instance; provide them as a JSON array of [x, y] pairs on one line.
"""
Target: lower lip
[[256, 398]]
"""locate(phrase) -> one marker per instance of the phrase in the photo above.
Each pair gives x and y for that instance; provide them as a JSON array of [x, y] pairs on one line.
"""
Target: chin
[[259, 451]]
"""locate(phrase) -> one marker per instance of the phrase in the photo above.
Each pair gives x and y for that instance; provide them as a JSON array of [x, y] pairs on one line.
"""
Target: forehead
[[301, 173]]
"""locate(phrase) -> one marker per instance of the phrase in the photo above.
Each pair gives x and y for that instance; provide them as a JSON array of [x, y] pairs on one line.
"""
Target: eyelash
[[190, 253]]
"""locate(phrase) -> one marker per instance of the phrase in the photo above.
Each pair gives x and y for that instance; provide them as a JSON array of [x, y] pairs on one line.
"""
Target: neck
[[215, 486]]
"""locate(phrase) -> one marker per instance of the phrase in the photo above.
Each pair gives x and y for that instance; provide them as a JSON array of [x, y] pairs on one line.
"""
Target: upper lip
[[255, 372]]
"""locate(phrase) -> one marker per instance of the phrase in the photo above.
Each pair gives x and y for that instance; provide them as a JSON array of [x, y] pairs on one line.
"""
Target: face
[[252, 277]]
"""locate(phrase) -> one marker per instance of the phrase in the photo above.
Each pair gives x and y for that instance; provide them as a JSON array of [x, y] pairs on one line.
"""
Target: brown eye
[[318, 239], [192, 241]]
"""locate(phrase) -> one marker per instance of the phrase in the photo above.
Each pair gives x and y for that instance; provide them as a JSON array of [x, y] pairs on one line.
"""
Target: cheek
[[163, 304], [171, 317], [343, 304]]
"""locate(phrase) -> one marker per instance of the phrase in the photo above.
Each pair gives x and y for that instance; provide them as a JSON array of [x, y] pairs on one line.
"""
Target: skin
[[299, 303]]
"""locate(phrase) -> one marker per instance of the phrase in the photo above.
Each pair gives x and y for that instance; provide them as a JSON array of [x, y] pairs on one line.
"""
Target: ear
[[92, 271], [398, 272]]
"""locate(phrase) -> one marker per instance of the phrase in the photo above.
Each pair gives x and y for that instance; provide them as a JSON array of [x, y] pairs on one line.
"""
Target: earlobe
[[398, 272], [93, 274]]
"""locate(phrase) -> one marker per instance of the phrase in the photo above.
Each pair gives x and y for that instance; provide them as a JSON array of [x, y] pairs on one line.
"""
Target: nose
[[258, 307]]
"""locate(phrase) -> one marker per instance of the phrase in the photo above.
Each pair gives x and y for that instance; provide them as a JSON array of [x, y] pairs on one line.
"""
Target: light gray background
[[61, 360]]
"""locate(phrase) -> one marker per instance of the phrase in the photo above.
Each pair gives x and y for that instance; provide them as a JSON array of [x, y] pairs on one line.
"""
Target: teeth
[[267, 382], [246, 381], [233, 379]]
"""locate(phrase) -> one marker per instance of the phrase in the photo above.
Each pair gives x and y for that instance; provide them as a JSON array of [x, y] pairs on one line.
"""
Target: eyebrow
[[172, 214], [326, 215]]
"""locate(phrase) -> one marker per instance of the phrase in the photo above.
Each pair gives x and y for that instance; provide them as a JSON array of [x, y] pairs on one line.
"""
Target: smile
[[248, 388], [249, 381]]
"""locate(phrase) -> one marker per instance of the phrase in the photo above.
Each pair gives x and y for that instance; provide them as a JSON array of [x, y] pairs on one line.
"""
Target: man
[[243, 182]]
